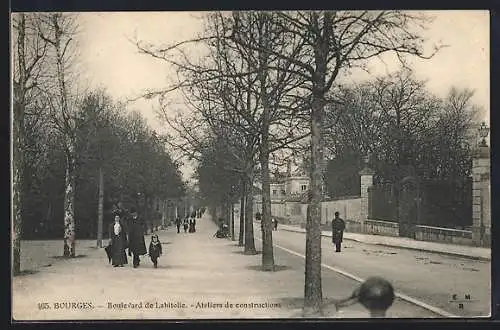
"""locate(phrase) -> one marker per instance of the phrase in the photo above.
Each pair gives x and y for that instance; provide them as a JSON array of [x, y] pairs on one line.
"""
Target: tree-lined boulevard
[[236, 279], [252, 93]]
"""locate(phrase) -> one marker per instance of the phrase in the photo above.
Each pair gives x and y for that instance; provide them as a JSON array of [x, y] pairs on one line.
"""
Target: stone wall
[[486, 212], [377, 227], [278, 209], [366, 182], [349, 209], [354, 210], [481, 198], [443, 235], [352, 226]]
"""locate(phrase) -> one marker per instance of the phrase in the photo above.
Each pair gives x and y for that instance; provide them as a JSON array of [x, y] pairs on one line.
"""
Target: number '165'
[[43, 305]]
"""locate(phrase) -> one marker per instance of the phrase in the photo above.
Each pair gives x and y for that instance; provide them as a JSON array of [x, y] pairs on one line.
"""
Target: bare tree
[[452, 138], [206, 87], [58, 30], [280, 119], [29, 52], [336, 41], [327, 43]]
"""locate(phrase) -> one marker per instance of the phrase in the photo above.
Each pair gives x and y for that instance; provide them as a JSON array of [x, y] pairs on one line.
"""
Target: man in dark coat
[[136, 244], [338, 227]]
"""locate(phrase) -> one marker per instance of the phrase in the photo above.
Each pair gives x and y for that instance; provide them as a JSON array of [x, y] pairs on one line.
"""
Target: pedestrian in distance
[[275, 222], [338, 227], [178, 224], [258, 216], [191, 225], [117, 242], [137, 246], [185, 225], [155, 250]]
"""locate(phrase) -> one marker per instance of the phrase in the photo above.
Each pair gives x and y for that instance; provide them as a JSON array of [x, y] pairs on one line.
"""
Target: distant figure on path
[[191, 225], [178, 224], [275, 222], [155, 250], [223, 230], [118, 242], [338, 227], [186, 224], [137, 246]]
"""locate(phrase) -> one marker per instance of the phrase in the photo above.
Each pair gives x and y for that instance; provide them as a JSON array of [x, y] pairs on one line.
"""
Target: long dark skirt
[[118, 255]]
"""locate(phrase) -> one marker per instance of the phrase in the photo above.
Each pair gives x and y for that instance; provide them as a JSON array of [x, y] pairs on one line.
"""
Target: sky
[[110, 60]]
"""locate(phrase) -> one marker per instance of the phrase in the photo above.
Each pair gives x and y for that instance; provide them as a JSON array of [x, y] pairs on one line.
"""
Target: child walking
[[155, 250]]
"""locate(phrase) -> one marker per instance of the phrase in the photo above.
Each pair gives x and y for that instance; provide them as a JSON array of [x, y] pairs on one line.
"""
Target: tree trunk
[[242, 217], [313, 294], [249, 238], [165, 212], [227, 209], [232, 222], [100, 210], [69, 203], [267, 233], [18, 178], [146, 213], [18, 145]]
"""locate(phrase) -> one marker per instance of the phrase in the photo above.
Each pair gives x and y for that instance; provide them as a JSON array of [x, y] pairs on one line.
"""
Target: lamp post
[[483, 133]]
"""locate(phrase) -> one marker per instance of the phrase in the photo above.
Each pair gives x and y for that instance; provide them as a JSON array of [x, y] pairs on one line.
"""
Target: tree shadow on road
[[26, 272], [297, 303], [277, 268], [69, 258], [245, 254], [235, 244], [168, 266]]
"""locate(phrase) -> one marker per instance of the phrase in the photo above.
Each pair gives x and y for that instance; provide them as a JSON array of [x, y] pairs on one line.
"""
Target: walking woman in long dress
[[118, 241]]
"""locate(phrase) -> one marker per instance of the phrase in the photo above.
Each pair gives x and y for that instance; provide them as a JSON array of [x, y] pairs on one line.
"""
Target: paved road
[[197, 268], [429, 277]]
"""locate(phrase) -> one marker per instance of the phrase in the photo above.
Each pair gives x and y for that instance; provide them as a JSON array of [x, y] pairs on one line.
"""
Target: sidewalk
[[198, 277], [38, 254], [408, 243]]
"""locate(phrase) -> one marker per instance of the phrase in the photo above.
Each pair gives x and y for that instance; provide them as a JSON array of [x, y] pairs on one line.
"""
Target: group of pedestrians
[[129, 234], [189, 222]]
